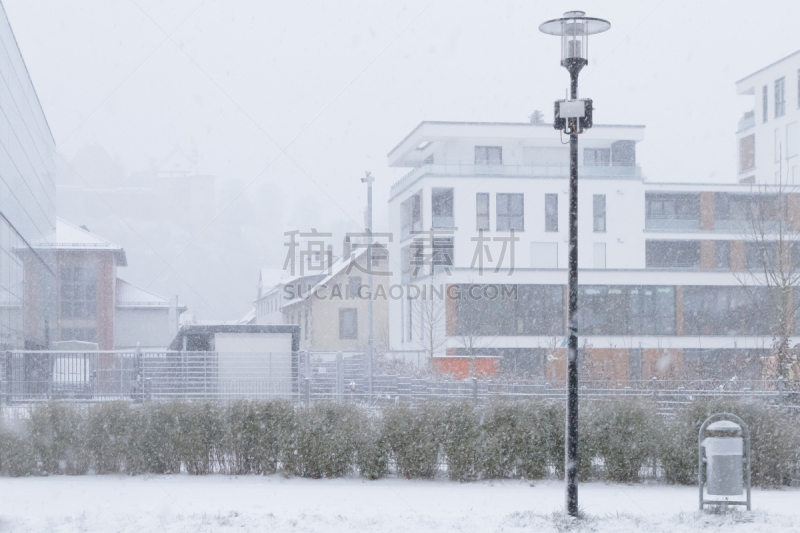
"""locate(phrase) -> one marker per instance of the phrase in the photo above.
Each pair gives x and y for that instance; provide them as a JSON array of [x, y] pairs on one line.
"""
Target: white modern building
[[660, 263], [768, 135]]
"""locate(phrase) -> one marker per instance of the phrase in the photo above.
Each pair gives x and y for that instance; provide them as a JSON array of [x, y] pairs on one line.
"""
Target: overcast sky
[[304, 96]]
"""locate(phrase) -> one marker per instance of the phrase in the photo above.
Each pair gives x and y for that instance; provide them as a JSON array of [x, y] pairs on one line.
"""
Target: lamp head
[[574, 28]]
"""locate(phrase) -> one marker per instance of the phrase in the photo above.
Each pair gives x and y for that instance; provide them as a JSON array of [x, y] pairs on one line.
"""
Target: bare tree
[[432, 313], [769, 228]]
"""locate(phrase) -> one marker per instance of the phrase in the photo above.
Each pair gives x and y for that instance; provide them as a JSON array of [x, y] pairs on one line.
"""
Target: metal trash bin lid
[[724, 425]]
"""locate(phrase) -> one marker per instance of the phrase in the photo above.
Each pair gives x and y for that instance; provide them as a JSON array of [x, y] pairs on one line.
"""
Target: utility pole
[[573, 116], [368, 179]]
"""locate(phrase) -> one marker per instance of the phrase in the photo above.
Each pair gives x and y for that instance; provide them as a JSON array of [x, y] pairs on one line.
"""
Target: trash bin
[[724, 459], [724, 468]]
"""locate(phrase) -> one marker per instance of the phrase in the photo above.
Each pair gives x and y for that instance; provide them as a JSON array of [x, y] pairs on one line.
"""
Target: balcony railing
[[747, 121], [456, 169]]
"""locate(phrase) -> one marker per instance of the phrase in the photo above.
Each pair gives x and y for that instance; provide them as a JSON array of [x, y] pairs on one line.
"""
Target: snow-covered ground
[[251, 503]]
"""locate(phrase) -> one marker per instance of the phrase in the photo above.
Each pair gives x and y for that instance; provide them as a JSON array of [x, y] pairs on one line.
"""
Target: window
[[78, 293], [428, 160], [410, 316], [488, 155], [520, 310], [722, 254], [442, 253], [482, 211], [354, 285], [599, 255], [544, 255], [726, 310], [411, 215], [780, 97], [672, 254], [621, 310], [348, 323], [551, 212], [672, 206], [510, 211], [759, 256], [764, 104], [596, 157], [442, 208], [599, 208], [791, 139], [747, 153], [79, 334]]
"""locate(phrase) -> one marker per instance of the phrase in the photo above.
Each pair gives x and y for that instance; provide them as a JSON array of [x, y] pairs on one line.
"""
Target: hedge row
[[621, 440]]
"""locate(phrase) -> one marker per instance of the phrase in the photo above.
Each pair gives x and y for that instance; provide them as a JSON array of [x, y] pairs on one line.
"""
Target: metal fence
[[141, 376]]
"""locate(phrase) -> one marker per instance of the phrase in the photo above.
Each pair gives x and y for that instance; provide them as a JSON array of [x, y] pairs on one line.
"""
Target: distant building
[[327, 298], [92, 304], [267, 305], [769, 141], [659, 294]]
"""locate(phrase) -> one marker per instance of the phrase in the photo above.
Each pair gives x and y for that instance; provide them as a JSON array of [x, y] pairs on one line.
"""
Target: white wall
[[254, 356], [150, 327]]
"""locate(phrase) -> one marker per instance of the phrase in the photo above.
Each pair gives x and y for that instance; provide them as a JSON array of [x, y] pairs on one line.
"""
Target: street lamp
[[368, 179], [573, 116]]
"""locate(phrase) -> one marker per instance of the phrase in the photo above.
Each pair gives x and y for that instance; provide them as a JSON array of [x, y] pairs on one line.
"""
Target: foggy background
[[287, 104]]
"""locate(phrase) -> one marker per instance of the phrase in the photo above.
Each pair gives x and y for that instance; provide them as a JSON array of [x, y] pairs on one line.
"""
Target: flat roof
[[527, 124], [210, 329], [768, 66]]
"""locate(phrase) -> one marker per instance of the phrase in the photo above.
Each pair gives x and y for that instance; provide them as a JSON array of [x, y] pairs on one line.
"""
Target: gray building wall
[[27, 199]]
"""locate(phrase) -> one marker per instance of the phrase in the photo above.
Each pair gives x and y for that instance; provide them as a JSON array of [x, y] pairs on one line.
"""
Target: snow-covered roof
[[337, 268], [131, 296], [249, 318], [68, 236]]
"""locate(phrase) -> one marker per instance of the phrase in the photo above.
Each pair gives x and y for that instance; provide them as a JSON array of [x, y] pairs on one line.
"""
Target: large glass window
[[672, 211], [78, 292], [348, 323], [780, 97], [519, 310], [672, 254], [488, 155], [764, 103], [596, 157], [599, 211], [442, 207], [482, 211], [747, 153], [626, 310], [510, 212], [551, 212], [411, 215], [733, 310]]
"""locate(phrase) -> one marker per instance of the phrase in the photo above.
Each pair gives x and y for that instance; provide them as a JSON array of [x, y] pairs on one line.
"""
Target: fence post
[[339, 376], [308, 391], [148, 390], [780, 389], [8, 377], [654, 383], [475, 390]]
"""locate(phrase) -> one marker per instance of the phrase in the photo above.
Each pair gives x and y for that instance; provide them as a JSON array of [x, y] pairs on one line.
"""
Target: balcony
[[747, 121], [457, 169]]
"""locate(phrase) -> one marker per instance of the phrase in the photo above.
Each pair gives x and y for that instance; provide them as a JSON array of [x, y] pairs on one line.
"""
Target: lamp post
[[573, 117], [368, 179]]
